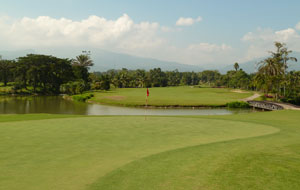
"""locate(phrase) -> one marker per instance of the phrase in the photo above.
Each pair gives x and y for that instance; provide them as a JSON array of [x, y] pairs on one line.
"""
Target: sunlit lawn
[[245, 151], [170, 96]]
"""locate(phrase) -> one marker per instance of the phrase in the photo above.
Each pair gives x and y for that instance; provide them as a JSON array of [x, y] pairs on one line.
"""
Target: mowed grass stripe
[[72, 153], [264, 162]]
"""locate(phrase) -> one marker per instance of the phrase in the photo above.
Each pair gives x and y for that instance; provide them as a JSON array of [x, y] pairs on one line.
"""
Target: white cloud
[[187, 21], [262, 41], [208, 53], [298, 26], [122, 35], [45, 31], [209, 48]]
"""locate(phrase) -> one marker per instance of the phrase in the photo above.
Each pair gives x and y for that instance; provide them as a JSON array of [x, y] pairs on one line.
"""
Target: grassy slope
[[267, 162], [170, 96], [46, 152]]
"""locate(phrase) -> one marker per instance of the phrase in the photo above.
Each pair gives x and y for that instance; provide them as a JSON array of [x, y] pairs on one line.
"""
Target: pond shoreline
[[67, 97], [60, 105], [160, 107]]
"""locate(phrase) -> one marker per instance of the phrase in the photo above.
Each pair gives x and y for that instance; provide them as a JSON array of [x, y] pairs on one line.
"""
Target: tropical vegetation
[[48, 74]]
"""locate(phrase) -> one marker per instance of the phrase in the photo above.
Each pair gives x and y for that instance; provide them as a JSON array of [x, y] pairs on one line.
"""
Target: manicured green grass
[[247, 151], [170, 96]]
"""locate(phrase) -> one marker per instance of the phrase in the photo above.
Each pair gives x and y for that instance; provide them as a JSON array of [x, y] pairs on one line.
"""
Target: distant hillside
[[105, 60], [15, 54], [250, 66]]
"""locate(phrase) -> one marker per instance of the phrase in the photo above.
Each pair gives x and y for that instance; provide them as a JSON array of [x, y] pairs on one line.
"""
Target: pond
[[58, 105]]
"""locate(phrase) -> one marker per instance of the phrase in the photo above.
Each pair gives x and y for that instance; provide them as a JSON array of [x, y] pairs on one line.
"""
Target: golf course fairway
[[184, 96], [61, 152]]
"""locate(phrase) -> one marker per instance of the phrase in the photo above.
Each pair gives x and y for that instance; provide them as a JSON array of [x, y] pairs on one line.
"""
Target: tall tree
[[236, 66], [5, 70], [282, 54], [274, 68], [83, 61], [81, 65]]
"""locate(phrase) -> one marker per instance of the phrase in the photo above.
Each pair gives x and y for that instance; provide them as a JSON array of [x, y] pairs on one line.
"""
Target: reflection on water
[[58, 105]]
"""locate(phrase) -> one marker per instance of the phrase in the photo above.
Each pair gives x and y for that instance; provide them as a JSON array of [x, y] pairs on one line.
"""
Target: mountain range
[[251, 66], [105, 60]]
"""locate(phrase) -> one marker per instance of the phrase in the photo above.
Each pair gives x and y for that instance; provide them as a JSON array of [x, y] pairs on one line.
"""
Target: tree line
[[49, 74], [46, 74], [272, 77]]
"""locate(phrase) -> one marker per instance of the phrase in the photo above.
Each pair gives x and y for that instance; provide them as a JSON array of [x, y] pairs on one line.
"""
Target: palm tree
[[81, 65], [83, 61], [272, 70], [236, 66], [282, 57], [285, 54]]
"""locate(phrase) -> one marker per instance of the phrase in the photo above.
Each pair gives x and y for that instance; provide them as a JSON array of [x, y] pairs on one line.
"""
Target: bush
[[82, 97], [238, 105], [76, 87], [292, 100], [102, 85], [17, 86]]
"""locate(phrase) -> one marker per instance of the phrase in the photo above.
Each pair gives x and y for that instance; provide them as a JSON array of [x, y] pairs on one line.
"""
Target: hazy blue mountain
[[105, 60], [15, 54], [250, 66]]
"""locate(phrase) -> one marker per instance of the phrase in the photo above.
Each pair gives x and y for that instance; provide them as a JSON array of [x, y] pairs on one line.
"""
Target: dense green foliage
[[45, 74], [256, 152], [157, 78], [73, 87], [272, 74]]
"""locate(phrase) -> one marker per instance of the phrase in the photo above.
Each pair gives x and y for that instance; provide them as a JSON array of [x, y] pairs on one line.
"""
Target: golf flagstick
[[146, 104]]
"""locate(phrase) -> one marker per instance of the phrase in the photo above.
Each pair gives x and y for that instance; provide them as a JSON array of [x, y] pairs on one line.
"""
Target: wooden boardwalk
[[265, 105], [268, 105]]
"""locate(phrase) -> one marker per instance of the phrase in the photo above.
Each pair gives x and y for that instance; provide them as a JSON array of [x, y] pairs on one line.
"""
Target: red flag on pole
[[147, 92]]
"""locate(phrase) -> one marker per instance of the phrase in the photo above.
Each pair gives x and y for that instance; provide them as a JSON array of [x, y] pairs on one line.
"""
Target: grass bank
[[183, 96], [249, 151]]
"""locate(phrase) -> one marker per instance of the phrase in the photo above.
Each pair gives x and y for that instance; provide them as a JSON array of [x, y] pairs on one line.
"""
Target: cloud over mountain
[[123, 35], [262, 40]]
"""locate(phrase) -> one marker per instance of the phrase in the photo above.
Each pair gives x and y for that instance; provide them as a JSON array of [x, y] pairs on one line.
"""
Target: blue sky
[[237, 24]]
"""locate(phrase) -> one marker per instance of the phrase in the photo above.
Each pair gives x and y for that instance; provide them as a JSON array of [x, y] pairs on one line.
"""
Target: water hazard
[[58, 105]]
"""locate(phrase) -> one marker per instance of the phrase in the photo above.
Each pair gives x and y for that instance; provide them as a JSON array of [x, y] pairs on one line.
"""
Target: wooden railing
[[265, 105]]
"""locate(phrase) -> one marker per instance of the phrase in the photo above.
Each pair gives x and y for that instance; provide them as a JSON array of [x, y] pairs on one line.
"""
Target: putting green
[[113, 152]]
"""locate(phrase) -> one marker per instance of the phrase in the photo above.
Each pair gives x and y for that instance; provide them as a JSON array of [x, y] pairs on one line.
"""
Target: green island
[[184, 96], [248, 151]]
